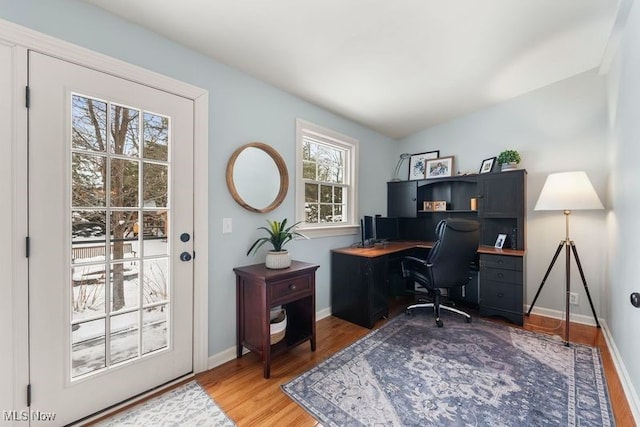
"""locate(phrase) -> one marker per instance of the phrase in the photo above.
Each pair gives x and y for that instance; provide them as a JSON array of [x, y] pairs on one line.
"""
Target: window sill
[[329, 231]]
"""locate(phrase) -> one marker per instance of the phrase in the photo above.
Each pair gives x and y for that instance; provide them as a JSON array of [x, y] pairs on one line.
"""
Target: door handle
[[185, 256], [185, 237]]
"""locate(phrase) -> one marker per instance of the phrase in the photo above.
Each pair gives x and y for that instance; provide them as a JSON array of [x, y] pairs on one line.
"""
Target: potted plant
[[509, 159], [279, 235]]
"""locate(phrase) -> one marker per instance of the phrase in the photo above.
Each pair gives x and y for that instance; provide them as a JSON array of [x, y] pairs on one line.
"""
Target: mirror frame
[[282, 170]]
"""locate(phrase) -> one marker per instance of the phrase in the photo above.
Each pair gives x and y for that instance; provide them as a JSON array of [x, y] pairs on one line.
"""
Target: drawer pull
[[292, 287], [500, 275], [500, 294], [500, 261]]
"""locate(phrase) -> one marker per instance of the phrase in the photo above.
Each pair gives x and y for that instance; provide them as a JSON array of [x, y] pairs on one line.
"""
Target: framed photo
[[500, 241], [442, 166], [440, 205], [487, 165], [417, 163]]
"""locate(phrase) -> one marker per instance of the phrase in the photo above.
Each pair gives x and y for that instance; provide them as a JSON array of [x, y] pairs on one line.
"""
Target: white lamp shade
[[568, 191]]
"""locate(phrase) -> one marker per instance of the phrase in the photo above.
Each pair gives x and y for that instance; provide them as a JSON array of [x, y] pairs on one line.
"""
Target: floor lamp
[[566, 192]]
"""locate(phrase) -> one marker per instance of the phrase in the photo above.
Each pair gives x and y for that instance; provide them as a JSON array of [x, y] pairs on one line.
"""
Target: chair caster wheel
[[468, 319], [407, 312], [439, 323]]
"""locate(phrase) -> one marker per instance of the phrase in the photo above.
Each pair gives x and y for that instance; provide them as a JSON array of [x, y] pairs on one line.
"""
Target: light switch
[[227, 226]]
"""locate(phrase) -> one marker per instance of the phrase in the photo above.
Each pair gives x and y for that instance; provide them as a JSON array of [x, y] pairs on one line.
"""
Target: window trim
[[348, 143]]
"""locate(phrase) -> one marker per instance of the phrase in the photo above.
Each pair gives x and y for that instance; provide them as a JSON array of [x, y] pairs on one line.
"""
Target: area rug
[[412, 373], [187, 405]]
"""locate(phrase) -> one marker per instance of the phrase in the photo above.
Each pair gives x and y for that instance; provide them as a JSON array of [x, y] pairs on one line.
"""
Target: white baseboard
[[629, 390], [623, 374], [559, 314], [230, 353]]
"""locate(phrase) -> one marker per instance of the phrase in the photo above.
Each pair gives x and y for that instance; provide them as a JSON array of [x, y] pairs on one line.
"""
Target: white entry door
[[110, 224]]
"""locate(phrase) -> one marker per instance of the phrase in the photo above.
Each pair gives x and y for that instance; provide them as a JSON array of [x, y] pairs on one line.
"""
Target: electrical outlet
[[573, 298]]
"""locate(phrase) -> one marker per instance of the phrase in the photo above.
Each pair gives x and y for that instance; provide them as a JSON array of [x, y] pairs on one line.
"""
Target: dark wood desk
[[360, 281], [394, 247], [258, 289]]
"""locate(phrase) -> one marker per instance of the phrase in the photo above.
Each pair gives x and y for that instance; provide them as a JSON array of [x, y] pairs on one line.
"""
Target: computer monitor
[[368, 228], [366, 231], [387, 228]]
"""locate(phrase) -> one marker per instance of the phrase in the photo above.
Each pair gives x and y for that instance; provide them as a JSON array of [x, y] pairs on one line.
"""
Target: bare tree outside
[[323, 172], [92, 177]]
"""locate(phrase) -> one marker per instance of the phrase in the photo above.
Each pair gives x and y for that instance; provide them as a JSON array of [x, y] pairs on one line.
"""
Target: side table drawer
[[286, 290], [500, 295]]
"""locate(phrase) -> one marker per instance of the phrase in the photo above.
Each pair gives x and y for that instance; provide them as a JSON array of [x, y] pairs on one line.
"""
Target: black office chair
[[447, 265]]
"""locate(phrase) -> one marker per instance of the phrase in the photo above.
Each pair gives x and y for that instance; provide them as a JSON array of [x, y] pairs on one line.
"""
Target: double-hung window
[[326, 174]]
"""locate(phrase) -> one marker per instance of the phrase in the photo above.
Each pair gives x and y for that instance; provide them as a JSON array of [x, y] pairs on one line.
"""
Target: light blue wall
[[623, 224], [241, 109]]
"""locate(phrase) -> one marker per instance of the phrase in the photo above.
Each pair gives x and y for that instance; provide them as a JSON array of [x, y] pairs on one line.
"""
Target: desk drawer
[[500, 295], [501, 261], [501, 275], [286, 290]]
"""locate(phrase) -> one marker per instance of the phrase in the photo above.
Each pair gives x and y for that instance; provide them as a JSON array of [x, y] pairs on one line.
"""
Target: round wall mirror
[[257, 177]]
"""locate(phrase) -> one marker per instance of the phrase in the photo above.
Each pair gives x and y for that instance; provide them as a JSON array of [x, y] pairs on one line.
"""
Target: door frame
[[23, 39]]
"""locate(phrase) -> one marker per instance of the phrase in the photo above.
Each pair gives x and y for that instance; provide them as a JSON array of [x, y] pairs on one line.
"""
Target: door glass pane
[[125, 131], [125, 285], [124, 234], [124, 337], [88, 123], [154, 328], [154, 228], [124, 183], [156, 281], [156, 136], [88, 236], [88, 347], [87, 291], [155, 188], [89, 182]]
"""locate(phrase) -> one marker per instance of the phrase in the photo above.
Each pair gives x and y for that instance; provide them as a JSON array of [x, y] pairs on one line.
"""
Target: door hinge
[[27, 246], [28, 394], [27, 96]]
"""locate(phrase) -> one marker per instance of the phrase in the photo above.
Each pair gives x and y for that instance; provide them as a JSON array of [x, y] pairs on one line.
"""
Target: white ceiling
[[396, 66]]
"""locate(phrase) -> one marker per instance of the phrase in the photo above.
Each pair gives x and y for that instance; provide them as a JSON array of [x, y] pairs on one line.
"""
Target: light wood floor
[[250, 400]]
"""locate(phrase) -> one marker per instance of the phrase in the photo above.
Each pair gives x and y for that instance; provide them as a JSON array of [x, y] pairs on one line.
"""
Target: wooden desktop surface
[[393, 247]]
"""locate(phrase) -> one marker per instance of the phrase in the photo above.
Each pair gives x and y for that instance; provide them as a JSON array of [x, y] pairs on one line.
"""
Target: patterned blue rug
[[187, 405], [412, 373]]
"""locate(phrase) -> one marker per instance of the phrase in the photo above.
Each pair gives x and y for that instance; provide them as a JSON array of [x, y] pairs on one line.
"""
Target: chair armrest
[[408, 261]]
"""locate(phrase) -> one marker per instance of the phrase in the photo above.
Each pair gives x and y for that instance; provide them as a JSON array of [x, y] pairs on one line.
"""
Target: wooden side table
[[258, 289]]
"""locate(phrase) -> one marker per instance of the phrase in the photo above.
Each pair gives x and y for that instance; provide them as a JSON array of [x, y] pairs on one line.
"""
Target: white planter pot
[[277, 260], [508, 166]]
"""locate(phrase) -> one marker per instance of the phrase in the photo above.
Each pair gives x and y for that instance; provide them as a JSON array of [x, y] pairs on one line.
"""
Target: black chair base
[[439, 323]]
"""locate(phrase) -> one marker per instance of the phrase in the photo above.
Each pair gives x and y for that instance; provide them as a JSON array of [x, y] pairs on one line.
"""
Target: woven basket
[[278, 327]]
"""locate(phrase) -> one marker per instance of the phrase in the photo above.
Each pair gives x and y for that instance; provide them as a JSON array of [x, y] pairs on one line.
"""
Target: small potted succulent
[[279, 235], [508, 160]]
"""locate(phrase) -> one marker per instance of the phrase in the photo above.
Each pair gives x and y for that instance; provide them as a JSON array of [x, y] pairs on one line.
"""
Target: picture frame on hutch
[[487, 165], [417, 163], [440, 167], [500, 241]]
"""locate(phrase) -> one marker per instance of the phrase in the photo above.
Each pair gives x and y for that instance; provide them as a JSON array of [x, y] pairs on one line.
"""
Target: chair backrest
[[450, 257]]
